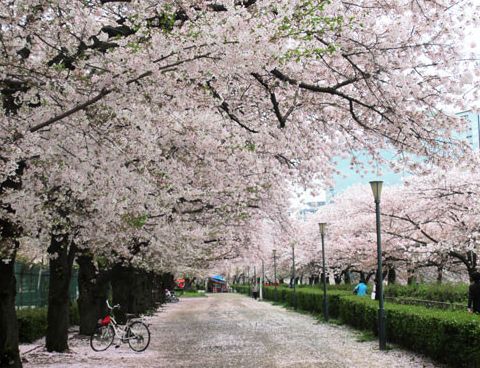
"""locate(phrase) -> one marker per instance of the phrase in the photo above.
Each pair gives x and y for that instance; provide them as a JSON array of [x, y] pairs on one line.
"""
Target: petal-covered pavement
[[231, 330]]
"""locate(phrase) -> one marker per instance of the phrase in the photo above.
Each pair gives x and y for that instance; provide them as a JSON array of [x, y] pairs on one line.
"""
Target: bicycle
[[135, 332], [170, 297]]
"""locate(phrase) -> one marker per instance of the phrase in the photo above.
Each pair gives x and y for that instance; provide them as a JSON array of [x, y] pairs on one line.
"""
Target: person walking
[[474, 294], [361, 288], [255, 291]]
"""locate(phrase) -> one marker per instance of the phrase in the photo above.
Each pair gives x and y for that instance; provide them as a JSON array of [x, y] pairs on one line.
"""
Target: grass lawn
[[191, 294]]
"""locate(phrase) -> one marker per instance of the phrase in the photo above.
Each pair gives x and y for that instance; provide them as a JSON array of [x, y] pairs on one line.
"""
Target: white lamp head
[[376, 189]]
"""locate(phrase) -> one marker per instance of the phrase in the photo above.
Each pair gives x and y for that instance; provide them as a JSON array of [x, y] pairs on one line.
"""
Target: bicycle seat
[[130, 315]]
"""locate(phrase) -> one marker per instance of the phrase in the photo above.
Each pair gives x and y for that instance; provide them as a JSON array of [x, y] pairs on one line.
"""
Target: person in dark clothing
[[255, 291], [474, 294]]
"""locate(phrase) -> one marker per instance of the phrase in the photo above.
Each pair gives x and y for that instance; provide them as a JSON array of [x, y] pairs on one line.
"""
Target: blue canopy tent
[[218, 278], [217, 284]]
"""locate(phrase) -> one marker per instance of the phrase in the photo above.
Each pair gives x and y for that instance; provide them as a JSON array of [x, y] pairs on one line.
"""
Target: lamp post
[[262, 280], [377, 191], [249, 281], [275, 274], [255, 285], [293, 278], [322, 226]]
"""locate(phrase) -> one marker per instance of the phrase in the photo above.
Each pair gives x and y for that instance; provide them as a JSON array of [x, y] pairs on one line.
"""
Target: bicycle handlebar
[[112, 308]]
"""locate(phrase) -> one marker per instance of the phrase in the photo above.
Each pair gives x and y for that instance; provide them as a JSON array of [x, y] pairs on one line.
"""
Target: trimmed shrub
[[74, 315], [32, 322], [243, 289], [451, 337], [447, 293]]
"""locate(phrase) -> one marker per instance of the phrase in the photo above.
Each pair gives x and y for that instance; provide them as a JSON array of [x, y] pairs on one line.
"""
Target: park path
[[231, 330]]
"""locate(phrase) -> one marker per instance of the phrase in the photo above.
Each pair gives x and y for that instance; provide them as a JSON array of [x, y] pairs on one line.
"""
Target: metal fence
[[427, 303], [32, 285]]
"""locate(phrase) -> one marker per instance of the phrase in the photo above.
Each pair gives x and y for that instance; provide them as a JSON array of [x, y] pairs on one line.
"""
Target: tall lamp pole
[[254, 278], [377, 191], [293, 278], [322, 226], [262, 280], [275, 273]]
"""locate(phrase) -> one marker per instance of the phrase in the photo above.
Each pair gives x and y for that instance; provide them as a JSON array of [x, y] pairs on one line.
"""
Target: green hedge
[[345, 287], [32, 322], [447, 293], [451, 337]]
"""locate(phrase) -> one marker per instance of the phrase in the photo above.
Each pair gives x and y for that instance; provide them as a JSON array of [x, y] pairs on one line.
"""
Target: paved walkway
[[231, 330]]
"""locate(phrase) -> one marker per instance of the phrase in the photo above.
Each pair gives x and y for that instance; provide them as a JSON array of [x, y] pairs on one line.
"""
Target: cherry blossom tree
[[440, 223], [427, 221], [206, 112]]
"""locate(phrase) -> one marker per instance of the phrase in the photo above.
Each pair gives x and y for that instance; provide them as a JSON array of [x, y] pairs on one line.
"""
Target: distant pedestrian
[[361, 288], [474, 294], [255, 291]]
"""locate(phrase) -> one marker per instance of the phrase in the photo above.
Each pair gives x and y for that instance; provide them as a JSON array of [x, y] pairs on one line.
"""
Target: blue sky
[[350, 177]]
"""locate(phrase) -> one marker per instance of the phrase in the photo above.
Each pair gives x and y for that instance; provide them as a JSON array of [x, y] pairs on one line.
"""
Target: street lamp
[[377, 191], [322, 226], [255, 286], [293, 277], [262, 281], [275, 274]]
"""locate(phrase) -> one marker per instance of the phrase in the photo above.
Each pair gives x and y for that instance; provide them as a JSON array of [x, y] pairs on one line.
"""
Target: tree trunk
[[63, 253], [469, 260], [9, 231], [9, 354], [347, 277], [472, 260], [392, 276], [93, 286], [121, 287], [133, 290], [362, 275], [439, 274], [142, 291], [411, 278]]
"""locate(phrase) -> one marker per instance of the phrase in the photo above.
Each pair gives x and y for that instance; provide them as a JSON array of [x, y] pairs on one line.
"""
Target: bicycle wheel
[[138, 336], [102, 338]]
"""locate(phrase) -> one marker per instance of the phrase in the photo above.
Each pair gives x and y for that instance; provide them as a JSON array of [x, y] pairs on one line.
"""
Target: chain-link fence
[[32, 285]]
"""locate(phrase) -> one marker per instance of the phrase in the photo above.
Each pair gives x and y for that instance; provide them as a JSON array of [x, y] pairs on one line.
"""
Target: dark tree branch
[[105, 92], [415, 224], [282, 119], [225, 107], [334, 90]]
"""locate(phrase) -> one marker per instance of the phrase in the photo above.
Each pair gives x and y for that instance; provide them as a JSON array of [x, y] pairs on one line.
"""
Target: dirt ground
[[231, 330]]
